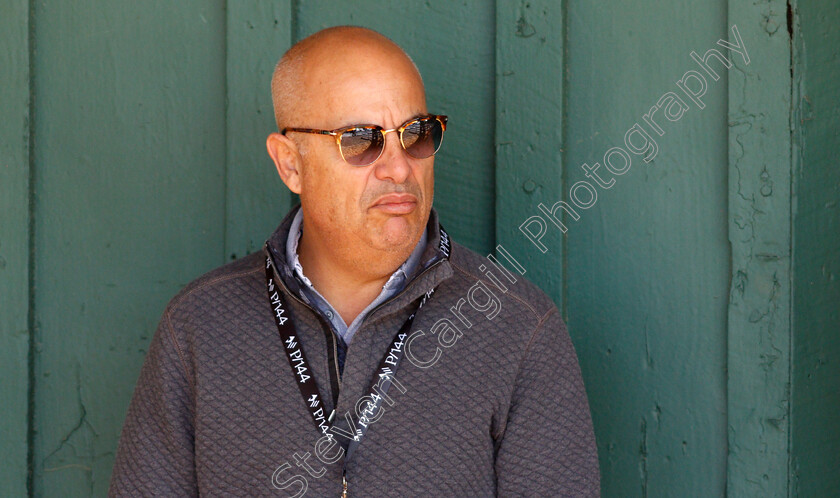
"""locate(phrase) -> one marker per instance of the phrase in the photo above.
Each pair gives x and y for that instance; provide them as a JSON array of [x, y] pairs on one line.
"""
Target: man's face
[[383, 206]]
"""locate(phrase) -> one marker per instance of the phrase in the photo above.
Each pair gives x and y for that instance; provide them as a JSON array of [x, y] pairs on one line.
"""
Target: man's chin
[[399, 231]]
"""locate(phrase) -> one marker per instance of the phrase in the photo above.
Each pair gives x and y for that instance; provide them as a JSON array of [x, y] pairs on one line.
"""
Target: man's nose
[[394, 163]]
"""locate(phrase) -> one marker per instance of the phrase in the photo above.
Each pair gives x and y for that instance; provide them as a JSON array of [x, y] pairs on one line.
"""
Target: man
[[362, 352]]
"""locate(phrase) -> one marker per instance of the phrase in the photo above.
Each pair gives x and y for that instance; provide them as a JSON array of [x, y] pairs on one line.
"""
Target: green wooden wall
[[700, 287], [647, 266], [815, 432]]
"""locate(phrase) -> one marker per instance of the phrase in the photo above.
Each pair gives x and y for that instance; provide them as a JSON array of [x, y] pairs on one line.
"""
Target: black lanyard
[[304, 374]]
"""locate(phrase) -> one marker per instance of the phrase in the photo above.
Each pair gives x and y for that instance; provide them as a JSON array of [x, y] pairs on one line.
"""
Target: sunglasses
[[361, 145]]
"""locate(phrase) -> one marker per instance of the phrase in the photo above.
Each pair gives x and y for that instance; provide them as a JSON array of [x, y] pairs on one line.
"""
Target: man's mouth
[[396, 203]]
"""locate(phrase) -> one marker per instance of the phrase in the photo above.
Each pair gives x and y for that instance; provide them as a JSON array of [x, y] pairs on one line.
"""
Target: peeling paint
[[657, 415], [766, 184], [524, 29], [76, 451], [643, 457], [758, 336]]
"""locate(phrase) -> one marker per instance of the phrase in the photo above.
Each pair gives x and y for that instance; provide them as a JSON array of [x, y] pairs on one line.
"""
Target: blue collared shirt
[[394, 284]]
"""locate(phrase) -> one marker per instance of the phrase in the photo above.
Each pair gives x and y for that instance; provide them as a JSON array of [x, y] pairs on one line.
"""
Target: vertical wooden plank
[[815, 410], [648, 264], [257, 35], [14, 245], [129, 181], [529, 134], [759, 314], [452, 44]]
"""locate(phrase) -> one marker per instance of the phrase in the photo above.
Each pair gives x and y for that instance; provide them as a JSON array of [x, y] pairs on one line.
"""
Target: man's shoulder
[[224, 282], [473, 267]]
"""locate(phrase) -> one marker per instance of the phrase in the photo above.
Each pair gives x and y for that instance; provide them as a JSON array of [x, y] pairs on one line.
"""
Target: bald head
[[361, 222], [306, 71]]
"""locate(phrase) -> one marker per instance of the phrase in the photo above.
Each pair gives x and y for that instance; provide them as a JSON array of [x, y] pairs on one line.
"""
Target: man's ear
[[284, 153]]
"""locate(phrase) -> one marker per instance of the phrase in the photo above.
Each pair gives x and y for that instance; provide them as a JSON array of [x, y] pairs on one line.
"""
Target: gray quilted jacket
[[491, 400]]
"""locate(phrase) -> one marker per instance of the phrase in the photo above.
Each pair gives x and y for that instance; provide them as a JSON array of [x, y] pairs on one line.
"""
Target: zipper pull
[[344, 484]]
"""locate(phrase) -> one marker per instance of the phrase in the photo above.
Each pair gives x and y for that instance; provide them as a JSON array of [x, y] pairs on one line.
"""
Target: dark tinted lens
[[422, 137], [361, 146]]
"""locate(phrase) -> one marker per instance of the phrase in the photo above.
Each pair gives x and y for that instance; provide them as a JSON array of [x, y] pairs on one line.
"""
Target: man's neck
[[348, 280]]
